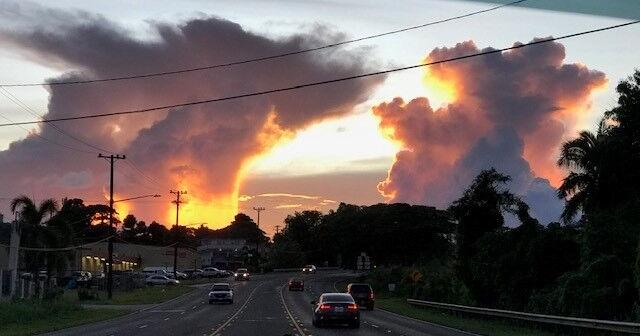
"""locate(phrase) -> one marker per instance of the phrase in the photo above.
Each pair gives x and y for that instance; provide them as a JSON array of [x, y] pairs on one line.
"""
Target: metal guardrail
[[625, 327]]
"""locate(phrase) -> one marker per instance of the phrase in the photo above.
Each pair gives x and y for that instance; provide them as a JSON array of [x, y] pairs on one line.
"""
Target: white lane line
[[244, 305], [297, 327], [142, 326], [167, 318]]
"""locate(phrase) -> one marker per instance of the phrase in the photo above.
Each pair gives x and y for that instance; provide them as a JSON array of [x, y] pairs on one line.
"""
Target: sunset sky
[[417, 136]]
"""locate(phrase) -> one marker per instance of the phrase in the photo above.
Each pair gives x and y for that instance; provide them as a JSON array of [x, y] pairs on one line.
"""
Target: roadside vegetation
[[32, 317]]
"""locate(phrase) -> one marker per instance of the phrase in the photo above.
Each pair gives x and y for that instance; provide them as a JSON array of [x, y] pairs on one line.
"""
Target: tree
[[584, 156], [35, 232], [128, 227], [479, 213]]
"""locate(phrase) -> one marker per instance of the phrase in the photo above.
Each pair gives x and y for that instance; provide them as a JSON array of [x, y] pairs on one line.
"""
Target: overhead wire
[[269, 57], [324, 82]]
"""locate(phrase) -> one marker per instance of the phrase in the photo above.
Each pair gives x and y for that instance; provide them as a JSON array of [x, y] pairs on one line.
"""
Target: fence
[[625, 327]]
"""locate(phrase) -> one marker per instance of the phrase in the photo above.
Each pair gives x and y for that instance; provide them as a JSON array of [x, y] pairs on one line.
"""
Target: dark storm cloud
[[206, 146], [510, 111]]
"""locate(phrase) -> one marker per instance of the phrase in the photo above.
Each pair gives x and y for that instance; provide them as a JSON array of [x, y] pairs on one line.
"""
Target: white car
[[212, 272], [309, 269], [161, 280], [221, 292]]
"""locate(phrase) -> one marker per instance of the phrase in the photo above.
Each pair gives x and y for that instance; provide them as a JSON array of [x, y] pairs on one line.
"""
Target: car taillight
[[352, 307], [325, 307], [371, 295]]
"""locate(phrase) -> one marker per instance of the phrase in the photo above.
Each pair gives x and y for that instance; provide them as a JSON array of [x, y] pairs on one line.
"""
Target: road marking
[[166, 311], [166, 318], [142, 326], [297, 327], [375, 326], [244, 305]]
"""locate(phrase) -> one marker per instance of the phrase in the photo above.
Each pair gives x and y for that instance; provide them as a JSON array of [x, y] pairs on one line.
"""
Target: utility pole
[[277, 229], [175, 229], [258, 209], [112, 158]]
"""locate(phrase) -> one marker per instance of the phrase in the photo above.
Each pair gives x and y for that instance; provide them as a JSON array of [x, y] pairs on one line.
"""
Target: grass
[[28, 318], [145, 295], [489, 327]]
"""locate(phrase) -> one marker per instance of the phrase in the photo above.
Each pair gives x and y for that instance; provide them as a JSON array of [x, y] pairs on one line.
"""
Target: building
[[225, 253], [93, 257]]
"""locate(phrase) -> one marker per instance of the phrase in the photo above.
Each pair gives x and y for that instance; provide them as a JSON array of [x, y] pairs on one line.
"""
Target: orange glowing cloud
[[510, 111]]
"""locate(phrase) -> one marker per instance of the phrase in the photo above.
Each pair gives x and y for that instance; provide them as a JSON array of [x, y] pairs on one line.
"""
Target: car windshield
[[220, 288], [242, 270], [337, 298], [360, 288], [308, 266]]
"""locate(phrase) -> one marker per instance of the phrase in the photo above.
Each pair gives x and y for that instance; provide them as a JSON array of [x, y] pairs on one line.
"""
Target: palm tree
[[34, 229], [583, 156]]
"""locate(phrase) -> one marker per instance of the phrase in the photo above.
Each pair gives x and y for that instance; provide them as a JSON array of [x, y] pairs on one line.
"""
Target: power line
[[13, 98], [325, 82], [42, 138], [264, 58]]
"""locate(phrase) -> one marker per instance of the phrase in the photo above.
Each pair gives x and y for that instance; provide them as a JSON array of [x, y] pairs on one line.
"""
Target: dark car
[[335, 308], [242, 274], [296, 285], [363, 294]]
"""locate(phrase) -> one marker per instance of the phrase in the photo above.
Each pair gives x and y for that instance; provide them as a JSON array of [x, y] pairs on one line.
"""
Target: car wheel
[[210, 301], [355, 325], [231, 301], [370, 307]]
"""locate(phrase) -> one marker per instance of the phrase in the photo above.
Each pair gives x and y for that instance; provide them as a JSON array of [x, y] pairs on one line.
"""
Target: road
[[263, 306]]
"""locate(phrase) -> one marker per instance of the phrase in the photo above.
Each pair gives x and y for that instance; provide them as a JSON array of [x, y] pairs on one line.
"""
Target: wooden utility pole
[[178, 193], [112, 158], [258, 209]]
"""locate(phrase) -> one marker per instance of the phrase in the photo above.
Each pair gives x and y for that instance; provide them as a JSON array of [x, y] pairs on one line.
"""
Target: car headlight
[[235, 274]]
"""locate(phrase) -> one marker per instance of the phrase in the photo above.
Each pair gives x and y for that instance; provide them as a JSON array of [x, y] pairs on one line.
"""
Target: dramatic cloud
[[204, 149], [510, 111]]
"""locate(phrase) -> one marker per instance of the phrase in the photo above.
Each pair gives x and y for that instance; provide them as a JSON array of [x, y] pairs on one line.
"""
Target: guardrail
[[625, 327]]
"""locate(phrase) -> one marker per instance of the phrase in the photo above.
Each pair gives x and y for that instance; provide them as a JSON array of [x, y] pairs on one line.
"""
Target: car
[[362, 293], [335, 308], [161, 280], [212, 272], [242, 274], [221, 292], [193, 273], [296, 285], [309, 269]]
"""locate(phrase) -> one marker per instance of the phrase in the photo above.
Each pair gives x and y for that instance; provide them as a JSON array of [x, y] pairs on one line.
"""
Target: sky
[[416, 136]]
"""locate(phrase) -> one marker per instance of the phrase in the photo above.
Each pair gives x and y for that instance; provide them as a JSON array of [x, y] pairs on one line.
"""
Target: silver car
[[221, 292]]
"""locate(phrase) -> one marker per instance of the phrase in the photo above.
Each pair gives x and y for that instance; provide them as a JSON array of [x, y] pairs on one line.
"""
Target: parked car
[[242, 274], [335, 308], [194, 273], [212, 272], [296, 285], [362, 293], [81, 275], [309, 269], [221, 292], [161, 280]]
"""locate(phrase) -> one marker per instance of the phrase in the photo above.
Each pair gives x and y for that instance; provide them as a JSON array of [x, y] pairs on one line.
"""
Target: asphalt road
[[263, 306]]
